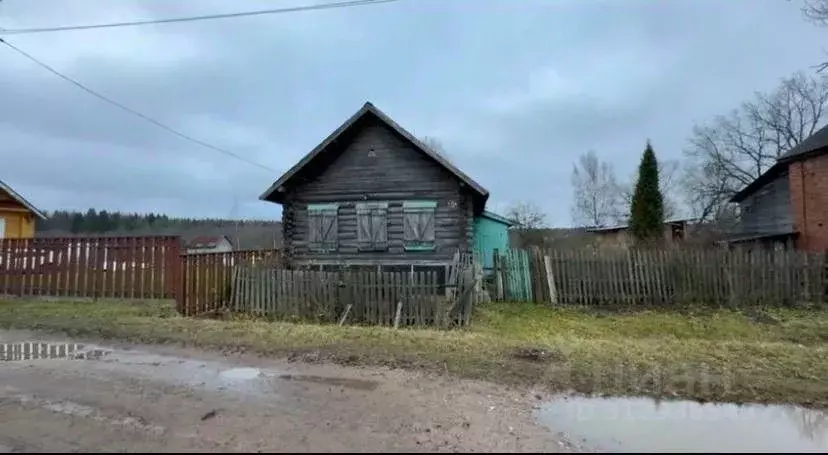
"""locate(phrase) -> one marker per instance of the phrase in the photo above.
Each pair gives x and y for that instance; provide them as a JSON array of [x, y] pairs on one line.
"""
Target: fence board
[[374, 296], [665, 277]]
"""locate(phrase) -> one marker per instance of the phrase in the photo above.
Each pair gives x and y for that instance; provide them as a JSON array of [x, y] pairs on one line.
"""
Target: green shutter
[[418, 225]]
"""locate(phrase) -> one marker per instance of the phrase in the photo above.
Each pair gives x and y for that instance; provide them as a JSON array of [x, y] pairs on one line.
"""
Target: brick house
[[788, 203]]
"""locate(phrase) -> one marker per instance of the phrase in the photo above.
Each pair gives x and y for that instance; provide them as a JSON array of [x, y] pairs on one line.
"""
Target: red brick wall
[[809, 202]]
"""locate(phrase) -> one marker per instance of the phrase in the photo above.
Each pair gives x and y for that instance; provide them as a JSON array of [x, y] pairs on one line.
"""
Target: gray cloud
[[514, 90]]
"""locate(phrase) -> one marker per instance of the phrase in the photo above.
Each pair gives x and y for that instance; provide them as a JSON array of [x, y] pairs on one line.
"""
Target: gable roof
[[275, 193], [814, 145], [817, 142], [207, 242], [21, 200]]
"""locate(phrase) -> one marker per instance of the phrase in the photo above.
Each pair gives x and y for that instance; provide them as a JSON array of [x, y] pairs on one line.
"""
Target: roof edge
[[21, 200], [763, 179], [366, 108], [498, 218]]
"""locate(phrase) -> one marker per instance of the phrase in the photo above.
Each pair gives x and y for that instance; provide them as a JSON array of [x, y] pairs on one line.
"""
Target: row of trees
[[102, 221]]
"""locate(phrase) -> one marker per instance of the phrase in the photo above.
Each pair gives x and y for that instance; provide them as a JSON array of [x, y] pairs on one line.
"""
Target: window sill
[[372, 249], [420, 248]]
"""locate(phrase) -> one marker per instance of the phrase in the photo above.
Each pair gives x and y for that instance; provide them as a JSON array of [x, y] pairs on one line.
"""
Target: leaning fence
[[662, 277], [357, 297]]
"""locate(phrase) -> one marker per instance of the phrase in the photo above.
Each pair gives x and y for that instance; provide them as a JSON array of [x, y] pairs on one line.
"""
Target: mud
[[141, 398]]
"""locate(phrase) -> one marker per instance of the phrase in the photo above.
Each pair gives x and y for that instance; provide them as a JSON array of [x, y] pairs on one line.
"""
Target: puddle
[[645, 425], [44, 351], [241, 373], [202, 374]]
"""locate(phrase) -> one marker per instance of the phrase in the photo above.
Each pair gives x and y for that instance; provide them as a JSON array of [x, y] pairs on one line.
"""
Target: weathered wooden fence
[[362, 297], [96, 267], [207, 277], [657, 277]]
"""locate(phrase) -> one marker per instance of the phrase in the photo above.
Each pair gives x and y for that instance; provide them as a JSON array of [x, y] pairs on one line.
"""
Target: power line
[[295, 9], [130, 110]]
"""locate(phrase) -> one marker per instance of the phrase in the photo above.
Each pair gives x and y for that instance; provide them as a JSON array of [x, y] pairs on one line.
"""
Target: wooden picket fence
[[207, 277], [665, 277], [95, 267], [361, 297], [147, 267]]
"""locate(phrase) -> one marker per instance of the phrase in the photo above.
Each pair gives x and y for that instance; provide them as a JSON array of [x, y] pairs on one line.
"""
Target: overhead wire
[[128, 109], [294, 9]]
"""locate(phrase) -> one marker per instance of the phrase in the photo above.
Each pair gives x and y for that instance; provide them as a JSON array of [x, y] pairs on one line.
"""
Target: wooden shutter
[[372, 225], [426, 223], [322, 227], [379, 228], [328, 230], [418, 224], [410, 223]]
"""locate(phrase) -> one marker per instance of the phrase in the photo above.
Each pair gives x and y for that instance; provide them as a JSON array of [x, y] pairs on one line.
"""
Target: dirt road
[[138, 398]]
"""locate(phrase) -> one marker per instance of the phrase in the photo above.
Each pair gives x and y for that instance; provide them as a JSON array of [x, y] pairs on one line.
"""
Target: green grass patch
[[778, 355]]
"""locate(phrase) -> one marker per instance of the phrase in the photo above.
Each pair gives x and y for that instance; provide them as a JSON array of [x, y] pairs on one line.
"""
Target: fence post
[[174, 276]]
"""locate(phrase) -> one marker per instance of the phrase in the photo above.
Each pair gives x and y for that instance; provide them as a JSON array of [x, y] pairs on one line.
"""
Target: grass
[[778, 357]]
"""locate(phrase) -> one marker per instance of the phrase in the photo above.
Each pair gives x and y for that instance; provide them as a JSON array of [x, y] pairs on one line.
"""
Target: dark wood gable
[[374, 194]]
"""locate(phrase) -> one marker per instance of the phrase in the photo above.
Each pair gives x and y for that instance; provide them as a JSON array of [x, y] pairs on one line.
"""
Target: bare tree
[[816, 11], [594, 192], [530, 223], [733, 150], [526, 215]]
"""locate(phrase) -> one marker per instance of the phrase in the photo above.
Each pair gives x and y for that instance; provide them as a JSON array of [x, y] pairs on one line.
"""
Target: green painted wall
[[488, 236]]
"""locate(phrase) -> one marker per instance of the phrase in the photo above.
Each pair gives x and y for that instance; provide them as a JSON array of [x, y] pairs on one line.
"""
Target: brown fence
[[111, 267], [362, 297], [207, 277], [714, 276]]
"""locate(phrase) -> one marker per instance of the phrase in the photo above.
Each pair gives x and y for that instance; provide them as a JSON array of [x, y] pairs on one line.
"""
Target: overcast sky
[[515, 90]]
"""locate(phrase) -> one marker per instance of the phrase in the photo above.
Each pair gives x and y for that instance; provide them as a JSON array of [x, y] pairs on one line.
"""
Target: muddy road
[[139, 398]]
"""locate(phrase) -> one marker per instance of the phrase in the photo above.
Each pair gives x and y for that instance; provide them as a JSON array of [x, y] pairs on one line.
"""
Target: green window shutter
[[372, 226], [418, 225], [323, 227]]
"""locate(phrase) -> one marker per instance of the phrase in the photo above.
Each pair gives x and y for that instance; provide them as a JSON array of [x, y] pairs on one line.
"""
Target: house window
[[418, 225], [372, 226], [322, 227]]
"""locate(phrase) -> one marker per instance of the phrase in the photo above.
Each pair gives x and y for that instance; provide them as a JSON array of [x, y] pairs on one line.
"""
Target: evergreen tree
[[647, 210]]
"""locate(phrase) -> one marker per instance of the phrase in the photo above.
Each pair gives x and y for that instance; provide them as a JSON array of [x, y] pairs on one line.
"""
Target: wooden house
[[674, 234], [17, 215], [788, 203], [373, 194], [209, 244]]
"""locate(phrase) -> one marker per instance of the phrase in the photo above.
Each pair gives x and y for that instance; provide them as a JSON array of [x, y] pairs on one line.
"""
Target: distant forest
[[245, 234]]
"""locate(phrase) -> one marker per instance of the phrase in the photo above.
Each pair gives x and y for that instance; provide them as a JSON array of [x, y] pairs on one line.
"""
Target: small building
[[373, 194], [209, 244], [17, 215], [491, 232], [788, 203], [675, 232]]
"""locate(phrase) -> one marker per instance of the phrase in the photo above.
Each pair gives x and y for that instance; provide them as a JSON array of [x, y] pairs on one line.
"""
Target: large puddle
[[646, 425], [218, 376]]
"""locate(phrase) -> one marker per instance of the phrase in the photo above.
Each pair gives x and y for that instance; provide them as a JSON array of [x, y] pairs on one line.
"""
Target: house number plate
[[452, 204]]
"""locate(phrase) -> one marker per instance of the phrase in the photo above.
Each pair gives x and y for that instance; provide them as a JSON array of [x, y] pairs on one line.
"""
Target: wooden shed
[[491, 232]]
